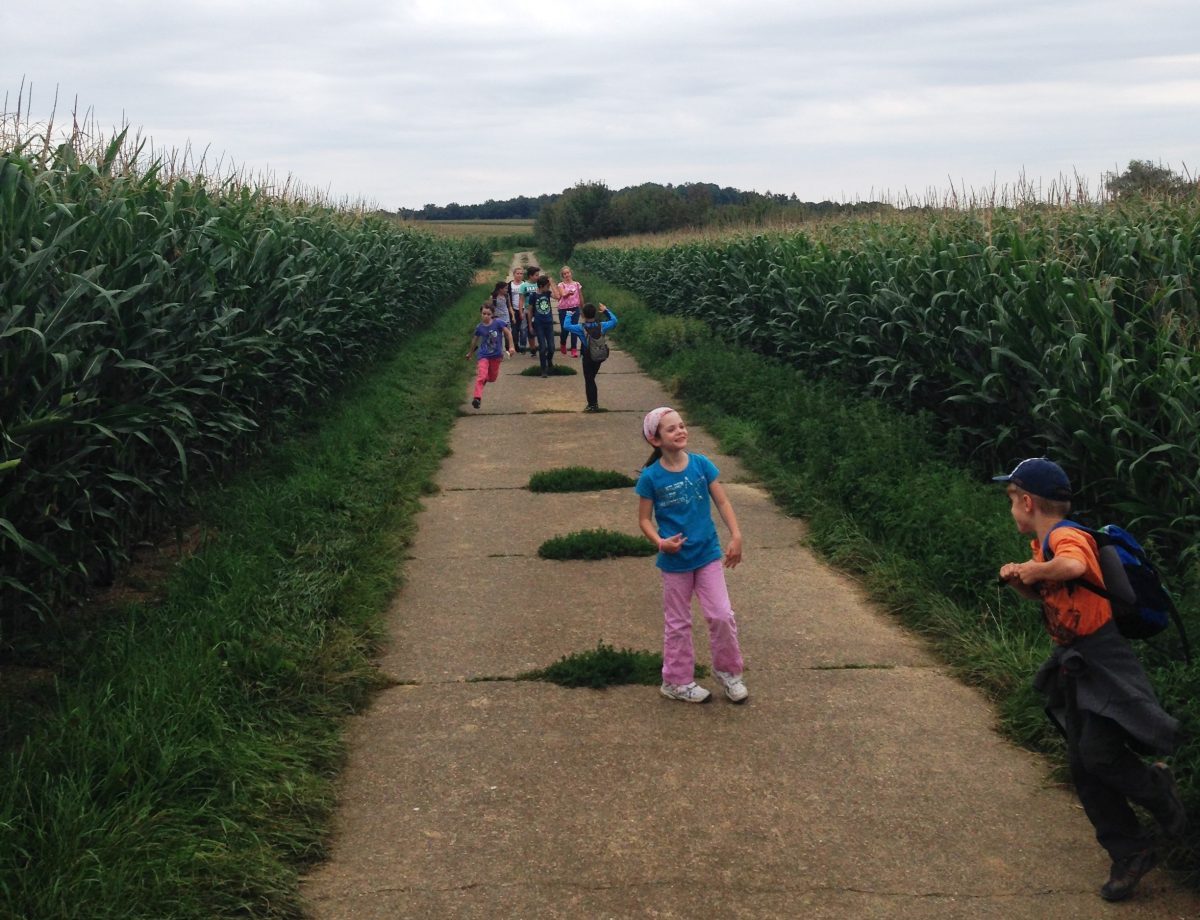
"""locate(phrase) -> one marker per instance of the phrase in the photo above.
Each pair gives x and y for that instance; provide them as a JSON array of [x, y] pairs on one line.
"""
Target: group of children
[[1095, 688], [518, 317]]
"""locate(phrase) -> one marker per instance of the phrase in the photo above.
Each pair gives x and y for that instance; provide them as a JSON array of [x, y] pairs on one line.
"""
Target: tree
[[1146, 179], [582, 213]]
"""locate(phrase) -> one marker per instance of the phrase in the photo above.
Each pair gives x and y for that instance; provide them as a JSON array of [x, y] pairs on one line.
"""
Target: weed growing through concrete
[[556, 370], [605, 666], [595, 544], [578, 479]]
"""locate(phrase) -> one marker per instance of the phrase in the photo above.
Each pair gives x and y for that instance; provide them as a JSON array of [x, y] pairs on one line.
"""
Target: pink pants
[[679, 658], [489, 370]]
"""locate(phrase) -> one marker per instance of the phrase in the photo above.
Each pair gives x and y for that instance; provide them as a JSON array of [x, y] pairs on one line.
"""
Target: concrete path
[[860, 780]]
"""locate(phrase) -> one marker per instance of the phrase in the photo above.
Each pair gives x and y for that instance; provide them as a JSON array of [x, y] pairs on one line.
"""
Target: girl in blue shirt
[[675, 488]]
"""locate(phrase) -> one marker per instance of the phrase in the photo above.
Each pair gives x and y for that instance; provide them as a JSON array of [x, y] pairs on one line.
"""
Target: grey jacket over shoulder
[[1109, 681]]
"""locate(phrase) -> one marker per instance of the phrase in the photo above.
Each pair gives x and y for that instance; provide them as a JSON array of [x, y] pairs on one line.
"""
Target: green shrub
[[596, 544], [578, 479], [665, 335]]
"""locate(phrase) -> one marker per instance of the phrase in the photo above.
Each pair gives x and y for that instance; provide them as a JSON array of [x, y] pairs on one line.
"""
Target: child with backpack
[[528, 291], [1096, 690], [570, 296], [675, 488], [488, 341], [595, 346]]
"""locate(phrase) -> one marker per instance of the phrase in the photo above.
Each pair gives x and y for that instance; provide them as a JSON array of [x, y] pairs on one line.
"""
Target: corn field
[[1068, 332], [153, 328]]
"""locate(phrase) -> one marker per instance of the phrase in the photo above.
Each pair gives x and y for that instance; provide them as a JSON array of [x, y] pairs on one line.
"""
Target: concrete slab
[[449, 527], [504, 616], [502, 451], [815, 799]]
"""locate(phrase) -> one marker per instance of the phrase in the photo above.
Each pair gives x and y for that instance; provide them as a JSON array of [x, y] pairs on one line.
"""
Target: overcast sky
[[404, 102]]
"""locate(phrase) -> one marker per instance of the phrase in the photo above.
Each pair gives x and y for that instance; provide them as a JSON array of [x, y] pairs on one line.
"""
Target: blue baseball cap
[[1041, 477]]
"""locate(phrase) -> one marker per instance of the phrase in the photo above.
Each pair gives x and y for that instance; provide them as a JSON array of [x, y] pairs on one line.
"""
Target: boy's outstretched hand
[[1020, 576]]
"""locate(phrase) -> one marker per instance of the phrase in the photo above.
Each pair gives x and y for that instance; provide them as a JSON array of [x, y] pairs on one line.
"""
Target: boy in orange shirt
[[1096, 690]]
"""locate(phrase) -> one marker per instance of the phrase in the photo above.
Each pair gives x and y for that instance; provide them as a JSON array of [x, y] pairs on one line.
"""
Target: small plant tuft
[[605, 666], [578, 479], [595, 544], [555, 370]]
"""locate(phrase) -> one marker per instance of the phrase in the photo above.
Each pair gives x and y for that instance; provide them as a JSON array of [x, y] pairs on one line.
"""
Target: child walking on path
[[528, 290], [570, 297], [1096, 691], [520, 329], [543, 324], [490, 340], [675, 486], [588, 329]]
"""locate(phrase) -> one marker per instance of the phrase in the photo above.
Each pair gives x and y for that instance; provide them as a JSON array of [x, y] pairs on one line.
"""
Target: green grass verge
[[883, 501], [181, 764], [556, 370], [605, 666], [595, 544], [578, 479]]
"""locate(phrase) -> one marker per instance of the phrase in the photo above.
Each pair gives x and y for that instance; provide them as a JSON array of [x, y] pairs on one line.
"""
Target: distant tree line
[[520, 208], [591, 210]]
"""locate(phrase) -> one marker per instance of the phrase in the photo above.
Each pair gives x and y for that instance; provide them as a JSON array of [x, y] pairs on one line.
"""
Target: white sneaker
[[688, 693], [735, 688]]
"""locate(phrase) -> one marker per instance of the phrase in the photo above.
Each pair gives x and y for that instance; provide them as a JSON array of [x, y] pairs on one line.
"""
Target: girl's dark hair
[[544, 281], [500, 286], [589, 311]]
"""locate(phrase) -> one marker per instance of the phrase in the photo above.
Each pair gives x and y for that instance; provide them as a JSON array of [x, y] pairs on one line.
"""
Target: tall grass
[[154, 326], [1072, 332], [181, 763]]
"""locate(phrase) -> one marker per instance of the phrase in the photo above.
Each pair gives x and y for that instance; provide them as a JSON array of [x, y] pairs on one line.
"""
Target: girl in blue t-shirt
[[675, 487]]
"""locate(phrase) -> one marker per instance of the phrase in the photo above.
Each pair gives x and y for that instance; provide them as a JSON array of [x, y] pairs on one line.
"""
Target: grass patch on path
[[578, 479], [182, 765], [595, 544], [555, 370], [605, 666]]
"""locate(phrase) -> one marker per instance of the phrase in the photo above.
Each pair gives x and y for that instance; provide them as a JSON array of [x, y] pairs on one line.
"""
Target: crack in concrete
[[793, 890]]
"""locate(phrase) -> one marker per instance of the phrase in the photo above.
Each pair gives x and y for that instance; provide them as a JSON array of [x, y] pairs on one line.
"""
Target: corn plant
[[153, 329], [1068, 331]]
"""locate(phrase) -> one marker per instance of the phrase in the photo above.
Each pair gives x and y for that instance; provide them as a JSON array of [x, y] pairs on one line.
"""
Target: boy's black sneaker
[[1126, 873], [1173, 819], [475, 402]]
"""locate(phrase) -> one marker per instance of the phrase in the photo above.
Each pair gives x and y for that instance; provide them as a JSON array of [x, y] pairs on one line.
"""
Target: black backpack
[[597, 344], [1141, 605]]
